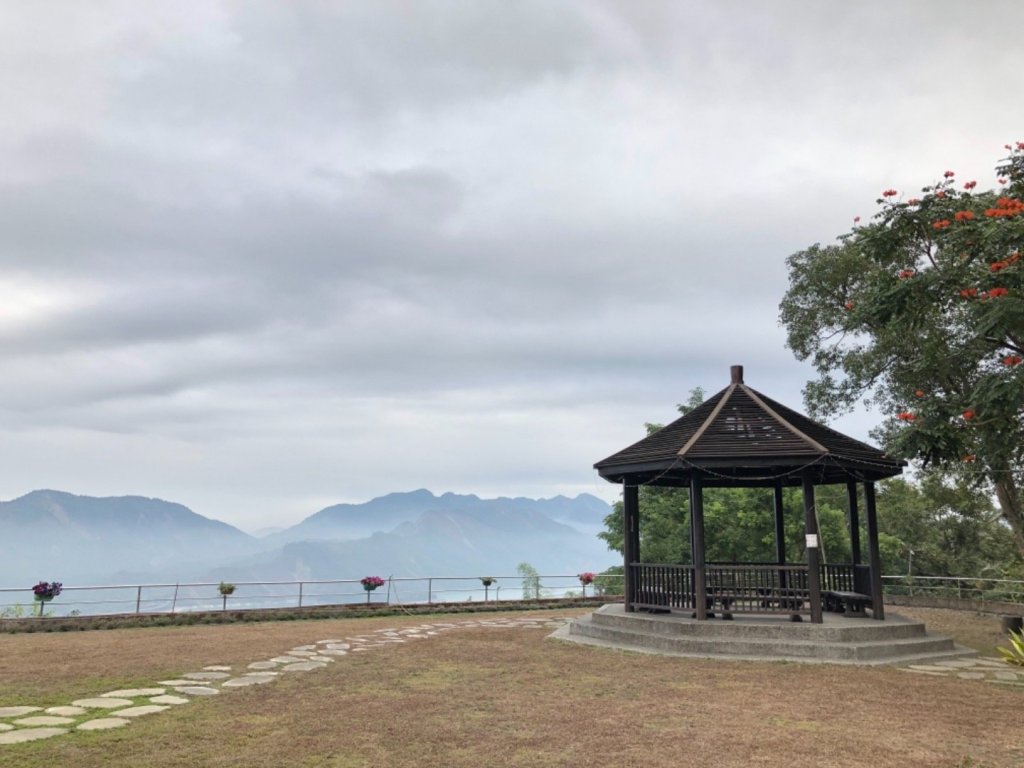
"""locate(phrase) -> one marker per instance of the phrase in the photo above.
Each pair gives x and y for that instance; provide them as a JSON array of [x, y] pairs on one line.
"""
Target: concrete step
[[839, 629], [876, 643]]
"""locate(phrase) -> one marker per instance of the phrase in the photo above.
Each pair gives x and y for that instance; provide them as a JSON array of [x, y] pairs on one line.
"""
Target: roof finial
[[736, 374]]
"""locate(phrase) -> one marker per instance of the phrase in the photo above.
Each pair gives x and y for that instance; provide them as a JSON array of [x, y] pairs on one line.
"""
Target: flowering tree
[[921, 311]]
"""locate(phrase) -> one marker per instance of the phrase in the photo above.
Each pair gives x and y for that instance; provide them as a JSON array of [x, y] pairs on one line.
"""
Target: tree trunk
[[1010, 506]]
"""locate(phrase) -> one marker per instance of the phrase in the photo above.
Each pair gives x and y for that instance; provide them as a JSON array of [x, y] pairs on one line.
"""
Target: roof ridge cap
[[771, 412], [707, 422]]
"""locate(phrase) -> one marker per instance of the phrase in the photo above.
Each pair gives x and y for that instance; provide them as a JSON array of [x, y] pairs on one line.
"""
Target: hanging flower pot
[[370, 583], [585, 578], [487, 581], [45, 591]]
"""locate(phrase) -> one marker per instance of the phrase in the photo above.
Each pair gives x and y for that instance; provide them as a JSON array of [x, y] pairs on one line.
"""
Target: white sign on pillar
[[812, 540]]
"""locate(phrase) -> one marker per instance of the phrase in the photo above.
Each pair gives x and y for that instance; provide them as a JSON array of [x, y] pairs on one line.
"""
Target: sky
[[263, 257]]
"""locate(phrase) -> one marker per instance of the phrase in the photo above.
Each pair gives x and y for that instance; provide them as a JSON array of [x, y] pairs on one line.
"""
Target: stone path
[[989, 670], [116, 709]]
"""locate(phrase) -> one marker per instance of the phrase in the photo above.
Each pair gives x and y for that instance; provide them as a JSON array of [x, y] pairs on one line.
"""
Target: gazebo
[[740, 438]]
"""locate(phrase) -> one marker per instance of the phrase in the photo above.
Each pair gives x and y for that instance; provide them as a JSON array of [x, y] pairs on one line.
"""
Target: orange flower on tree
[[1005, 207], [970, 185], [903, 274], [906, 416], [949, 174], [848, 305], [994, 293], [963, 215], [969, 293], [890, 193], [941, 223], [1012, 360], [970, 457], [918, 393], [968, 414]]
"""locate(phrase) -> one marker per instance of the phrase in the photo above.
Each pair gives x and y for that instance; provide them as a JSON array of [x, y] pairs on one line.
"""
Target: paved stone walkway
[[116, 709], [990, 670]]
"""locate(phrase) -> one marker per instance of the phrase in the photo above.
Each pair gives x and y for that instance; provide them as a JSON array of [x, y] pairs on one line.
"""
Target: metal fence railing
[[255, 595], [961, 587]]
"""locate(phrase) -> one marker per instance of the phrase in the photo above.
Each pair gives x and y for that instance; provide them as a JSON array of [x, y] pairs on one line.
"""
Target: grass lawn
[[507, 697]]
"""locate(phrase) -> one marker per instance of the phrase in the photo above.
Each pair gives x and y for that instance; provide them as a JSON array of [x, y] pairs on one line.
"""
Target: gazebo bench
[[845, 602]]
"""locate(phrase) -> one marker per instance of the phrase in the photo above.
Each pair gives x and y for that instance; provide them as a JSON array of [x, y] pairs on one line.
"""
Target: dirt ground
[[504, 697]]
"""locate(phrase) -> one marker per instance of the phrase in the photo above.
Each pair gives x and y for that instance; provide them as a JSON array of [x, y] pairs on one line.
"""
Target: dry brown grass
[[980, 631], [503, 697]]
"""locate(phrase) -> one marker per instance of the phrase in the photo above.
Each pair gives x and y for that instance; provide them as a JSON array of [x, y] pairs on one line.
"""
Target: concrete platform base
[[840, 639]]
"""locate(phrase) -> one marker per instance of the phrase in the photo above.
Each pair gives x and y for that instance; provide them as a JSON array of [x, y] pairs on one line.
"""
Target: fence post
[[300, 594], [430, 591], [138, 598]]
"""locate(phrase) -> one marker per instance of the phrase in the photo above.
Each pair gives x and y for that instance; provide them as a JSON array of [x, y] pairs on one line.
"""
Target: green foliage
[[1015, 653], [225, 588], [610, 581], [951, 528], [921, 311], [531, 581]]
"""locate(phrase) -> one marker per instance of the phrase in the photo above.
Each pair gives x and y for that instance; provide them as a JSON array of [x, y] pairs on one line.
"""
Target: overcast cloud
[[261, 257]]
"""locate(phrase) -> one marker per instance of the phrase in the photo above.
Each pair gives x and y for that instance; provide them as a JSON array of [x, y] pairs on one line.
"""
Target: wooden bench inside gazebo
[[740, 438]]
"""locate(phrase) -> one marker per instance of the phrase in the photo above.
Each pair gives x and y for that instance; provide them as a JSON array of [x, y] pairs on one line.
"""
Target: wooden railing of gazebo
[[754, 588]]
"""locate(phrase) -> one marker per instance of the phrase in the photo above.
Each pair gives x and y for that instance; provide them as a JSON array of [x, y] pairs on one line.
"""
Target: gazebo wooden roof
[[741, 437]]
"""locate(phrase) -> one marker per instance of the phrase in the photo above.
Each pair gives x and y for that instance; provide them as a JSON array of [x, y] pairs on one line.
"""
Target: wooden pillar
[[811, 529], [780, 527], [697, 536], [853, 520], [780, 533], [630, 539], [874, 558]]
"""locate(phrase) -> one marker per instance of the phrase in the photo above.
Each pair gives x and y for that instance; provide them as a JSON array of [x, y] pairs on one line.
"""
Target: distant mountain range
[[52, 535]]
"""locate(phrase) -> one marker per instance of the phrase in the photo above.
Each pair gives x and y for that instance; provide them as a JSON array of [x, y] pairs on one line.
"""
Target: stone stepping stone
[[1005, 675], [168, 699], [284, 659], [925, 672], [6, 727], [36, 720], [145, 709], [931, 668], [955, 663], [301, 654], [131, 693], [103, 724], [971, 675], [360, 648], [18, 711], [304, 666], [66, 711], [263, 665], [206, 675], [198, 690], [339, 646], [333, 652], [102, 702], [217, 668], [30, 734], [304, 648], [245, 682], [328, 642]]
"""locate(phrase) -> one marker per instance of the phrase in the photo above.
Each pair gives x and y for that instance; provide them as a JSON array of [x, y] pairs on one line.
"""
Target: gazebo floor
[[840, 639]]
